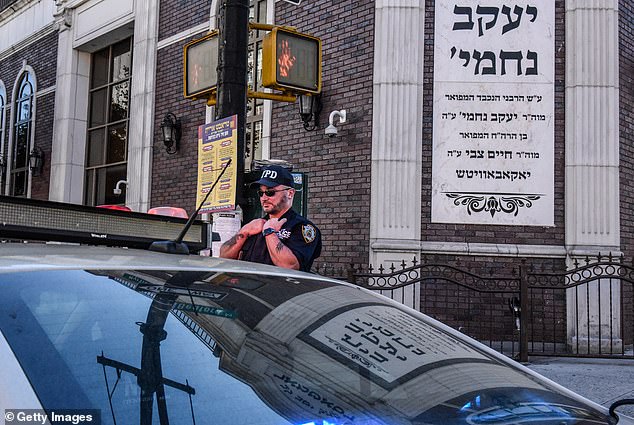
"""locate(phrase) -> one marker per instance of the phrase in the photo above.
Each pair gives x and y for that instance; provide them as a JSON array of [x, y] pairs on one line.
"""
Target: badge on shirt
[[309, 233]]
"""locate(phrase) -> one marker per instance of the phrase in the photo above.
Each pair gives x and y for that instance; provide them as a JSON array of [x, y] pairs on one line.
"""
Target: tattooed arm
[[281, 255], [232, 248]]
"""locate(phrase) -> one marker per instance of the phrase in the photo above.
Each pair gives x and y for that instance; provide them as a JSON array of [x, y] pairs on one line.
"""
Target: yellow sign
[[217, 144]]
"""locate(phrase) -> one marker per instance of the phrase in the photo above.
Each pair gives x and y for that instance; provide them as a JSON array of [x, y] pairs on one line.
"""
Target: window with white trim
[[3, 154], [255, 107], [22, 127], [108, 123]]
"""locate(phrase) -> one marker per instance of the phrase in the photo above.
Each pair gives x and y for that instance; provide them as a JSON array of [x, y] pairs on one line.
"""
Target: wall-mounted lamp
[[36, 161], [309, 110], [171, 130], [331, 130]]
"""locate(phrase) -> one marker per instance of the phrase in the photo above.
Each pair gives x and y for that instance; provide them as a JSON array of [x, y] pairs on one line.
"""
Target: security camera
[[331, 131], [117, 188]]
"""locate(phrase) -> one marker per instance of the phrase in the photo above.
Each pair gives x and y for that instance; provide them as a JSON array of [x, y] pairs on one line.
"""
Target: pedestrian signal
[[200, 66], [291, 61]]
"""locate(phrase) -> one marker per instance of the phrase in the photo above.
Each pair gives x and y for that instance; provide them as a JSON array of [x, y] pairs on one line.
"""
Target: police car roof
[[16, 257]]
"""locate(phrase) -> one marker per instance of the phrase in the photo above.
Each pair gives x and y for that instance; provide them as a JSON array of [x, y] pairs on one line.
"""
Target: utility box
[[252, 208]]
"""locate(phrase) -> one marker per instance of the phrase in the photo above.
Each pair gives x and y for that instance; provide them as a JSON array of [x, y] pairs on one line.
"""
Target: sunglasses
[[270, 192]]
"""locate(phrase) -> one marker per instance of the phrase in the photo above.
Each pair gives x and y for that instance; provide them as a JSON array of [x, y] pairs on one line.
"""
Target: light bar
[[29, 219]]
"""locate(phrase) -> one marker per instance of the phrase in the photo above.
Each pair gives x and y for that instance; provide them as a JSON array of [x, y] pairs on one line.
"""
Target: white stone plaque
[[493, 134]]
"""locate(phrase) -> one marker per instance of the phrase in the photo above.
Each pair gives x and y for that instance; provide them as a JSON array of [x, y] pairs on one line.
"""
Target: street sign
[[200, 66], [291, 61]]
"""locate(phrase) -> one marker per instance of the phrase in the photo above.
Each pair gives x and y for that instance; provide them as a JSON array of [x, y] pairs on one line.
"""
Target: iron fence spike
[[403, 264]]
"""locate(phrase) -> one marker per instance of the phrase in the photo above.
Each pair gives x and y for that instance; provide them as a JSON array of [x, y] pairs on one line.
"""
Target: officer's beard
[[277, 208]]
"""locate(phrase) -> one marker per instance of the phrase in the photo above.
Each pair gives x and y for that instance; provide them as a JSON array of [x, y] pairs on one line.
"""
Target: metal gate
[[587, 311]]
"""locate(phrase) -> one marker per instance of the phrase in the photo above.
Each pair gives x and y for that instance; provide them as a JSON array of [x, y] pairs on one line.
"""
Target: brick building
[[88, 83]]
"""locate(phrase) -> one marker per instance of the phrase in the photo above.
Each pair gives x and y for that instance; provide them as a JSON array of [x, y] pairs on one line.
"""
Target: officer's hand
[[253, 227], [275, 223]]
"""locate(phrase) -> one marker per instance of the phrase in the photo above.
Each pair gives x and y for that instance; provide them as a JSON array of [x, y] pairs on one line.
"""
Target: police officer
[[282, 238]]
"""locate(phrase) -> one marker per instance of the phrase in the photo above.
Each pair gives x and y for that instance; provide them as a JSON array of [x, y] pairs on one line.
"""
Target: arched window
[[22, 127]]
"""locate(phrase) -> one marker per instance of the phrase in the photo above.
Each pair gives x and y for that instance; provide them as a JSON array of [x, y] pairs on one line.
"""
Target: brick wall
[[626, 135], [174, 177], [339, 168], [179, 15], [533, 235], [42, 57], [626, 123]]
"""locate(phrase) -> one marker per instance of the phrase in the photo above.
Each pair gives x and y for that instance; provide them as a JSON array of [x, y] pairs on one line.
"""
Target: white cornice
[[468, 248]]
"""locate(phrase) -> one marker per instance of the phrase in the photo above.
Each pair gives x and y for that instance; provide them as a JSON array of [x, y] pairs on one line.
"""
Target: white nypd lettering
[[269, 174]]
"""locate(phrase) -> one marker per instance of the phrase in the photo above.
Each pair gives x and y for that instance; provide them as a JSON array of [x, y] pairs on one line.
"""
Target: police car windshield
[[242, 348]]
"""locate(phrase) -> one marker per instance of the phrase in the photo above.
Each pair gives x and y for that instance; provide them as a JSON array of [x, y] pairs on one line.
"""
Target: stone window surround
[[9, 145]]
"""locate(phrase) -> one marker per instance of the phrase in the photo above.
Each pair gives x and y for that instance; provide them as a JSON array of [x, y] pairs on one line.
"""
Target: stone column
[[592, 150], [69, 121], [397, 117], [141, 129]]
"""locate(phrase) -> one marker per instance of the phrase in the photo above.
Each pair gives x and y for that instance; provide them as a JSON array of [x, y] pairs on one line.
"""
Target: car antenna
[[177, 246]]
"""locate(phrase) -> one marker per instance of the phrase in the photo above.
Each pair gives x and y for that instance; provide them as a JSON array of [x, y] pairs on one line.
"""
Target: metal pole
[[232, 73], [524, 314]]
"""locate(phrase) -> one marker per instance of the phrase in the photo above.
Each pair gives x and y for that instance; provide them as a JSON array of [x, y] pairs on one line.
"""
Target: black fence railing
[[586, 311]]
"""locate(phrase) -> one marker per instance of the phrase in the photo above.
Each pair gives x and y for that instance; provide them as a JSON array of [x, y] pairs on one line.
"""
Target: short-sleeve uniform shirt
[[298, 234]]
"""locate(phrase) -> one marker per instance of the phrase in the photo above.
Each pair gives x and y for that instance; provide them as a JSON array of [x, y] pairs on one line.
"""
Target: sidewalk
[[601, 380]]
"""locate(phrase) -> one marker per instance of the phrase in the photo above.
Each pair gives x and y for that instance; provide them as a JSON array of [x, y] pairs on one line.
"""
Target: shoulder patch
[[309, 233]]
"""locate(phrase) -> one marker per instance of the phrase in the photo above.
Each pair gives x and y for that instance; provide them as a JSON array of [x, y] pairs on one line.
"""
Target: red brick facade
[[42, 57], [626, 124], [339, 168]]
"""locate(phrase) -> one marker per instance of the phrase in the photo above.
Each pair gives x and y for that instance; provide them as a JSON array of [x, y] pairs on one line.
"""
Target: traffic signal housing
[[291, 61], [200, 66]]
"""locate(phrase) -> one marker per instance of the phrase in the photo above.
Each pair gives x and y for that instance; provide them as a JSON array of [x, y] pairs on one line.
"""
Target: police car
[[113, 335]]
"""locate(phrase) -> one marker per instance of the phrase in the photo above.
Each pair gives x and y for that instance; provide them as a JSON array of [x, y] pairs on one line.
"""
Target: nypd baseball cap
[[274, 175]]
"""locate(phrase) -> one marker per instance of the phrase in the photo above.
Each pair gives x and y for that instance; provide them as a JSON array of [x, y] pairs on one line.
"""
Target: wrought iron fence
[[586, 311]]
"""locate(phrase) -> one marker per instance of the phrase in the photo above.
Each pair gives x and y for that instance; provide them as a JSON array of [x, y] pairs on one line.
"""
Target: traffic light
[[200, 66], [291, 61]]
